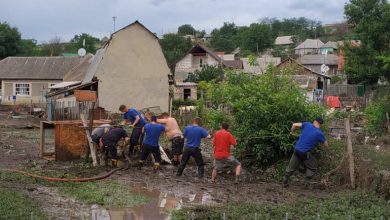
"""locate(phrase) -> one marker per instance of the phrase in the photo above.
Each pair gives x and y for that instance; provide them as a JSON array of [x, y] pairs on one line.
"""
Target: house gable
[[133, 70]]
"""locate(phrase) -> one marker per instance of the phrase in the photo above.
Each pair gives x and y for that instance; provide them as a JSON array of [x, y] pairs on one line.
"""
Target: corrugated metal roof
[[37, 67], [310, 44], [284, 40], [329, 59], [78, 72], [94, 65]]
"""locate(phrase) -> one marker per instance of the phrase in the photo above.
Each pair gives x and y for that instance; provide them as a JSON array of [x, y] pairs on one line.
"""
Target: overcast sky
[[44, 19]]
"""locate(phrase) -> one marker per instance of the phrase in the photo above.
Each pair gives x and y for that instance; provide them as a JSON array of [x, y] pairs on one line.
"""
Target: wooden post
[[350, 152], [90, 142], [42, 147]]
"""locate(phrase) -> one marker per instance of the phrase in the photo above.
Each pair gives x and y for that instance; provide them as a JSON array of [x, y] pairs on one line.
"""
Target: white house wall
[[133, 71], [38, 89]]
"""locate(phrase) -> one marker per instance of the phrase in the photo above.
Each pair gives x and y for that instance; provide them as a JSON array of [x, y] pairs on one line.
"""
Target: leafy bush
[[263, 110], [207, 73], [376, 113]]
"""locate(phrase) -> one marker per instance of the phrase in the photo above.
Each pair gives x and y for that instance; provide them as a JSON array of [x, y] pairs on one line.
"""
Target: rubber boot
[[140, 164], [200, 171], [285, 181], [156, 167], [114, 163], [179, 171]]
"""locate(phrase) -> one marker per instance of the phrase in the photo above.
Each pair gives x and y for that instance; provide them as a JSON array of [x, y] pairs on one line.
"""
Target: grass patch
[[15, 205], [380, 159], [105, 192], [346, 205]]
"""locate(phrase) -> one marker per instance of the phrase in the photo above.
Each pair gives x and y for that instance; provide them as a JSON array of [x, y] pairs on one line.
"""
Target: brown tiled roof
[[37, 67]]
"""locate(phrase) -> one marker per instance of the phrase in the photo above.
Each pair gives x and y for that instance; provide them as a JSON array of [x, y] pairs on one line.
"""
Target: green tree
[[262, 111], [91, 43], [207, 73], [9, 40], [174, 46], [369, 21], [255, 39], [28, 47], [186, 29], [224, 39]]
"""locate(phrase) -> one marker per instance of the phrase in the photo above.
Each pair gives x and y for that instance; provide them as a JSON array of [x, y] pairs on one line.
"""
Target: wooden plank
[[350, 153], [90, 142]]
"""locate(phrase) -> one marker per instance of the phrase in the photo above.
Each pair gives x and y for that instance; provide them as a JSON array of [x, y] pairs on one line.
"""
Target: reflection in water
[[158, 208]]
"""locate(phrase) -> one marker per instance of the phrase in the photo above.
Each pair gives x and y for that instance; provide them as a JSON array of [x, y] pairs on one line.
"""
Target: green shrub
[[376, 115], [263, 110], [179, 102]]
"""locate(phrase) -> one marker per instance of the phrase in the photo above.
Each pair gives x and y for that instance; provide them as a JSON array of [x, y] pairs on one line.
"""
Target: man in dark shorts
[[137, 122], [173, 132], [223, 161], [150, 144], [194, 134], [111, 139], [310, 136]]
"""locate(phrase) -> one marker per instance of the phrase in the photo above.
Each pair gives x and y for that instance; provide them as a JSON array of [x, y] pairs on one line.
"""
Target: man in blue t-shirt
[[150, 145], [310, 136], [136, 121], [193, 134]]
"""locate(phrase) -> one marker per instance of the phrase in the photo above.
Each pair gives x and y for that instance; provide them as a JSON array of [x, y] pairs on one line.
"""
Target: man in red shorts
[[223, 161]]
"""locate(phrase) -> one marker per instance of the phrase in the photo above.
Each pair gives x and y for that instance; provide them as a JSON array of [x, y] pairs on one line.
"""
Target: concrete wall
[[133, 71], [37, 91]]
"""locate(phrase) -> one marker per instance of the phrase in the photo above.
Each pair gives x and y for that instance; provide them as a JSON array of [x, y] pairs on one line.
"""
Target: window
[[22, 89], [200, 62], [187, 94]]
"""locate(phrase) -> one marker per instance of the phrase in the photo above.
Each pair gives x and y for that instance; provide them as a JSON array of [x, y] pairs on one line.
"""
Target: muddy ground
[[19, 149]]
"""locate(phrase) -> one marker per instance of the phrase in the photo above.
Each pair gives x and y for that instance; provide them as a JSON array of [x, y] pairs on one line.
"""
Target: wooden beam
[[350, 153], [90, 142]]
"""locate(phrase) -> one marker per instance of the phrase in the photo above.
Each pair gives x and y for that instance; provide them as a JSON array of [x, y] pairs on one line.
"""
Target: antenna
[[114, 19]]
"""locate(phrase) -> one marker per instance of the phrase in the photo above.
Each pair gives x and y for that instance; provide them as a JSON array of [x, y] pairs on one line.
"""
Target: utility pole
[[114, 19]]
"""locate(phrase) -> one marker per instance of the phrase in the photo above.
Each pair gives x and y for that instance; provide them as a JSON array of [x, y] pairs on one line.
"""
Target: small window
[[22, 89], [187, 94], [201, 62]]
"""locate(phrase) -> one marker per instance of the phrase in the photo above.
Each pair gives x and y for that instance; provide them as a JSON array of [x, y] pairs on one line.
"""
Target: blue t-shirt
[[194, 135], [310, 137], [131, 114], [152, 134]]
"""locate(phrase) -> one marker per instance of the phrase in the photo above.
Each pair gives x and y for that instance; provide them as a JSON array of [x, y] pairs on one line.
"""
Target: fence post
[[350, 152]]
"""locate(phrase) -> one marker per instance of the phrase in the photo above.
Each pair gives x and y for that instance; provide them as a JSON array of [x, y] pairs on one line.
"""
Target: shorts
[[177, 145], [226, 164]]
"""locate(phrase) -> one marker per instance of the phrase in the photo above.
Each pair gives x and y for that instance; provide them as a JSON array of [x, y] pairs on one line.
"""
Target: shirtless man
[[173, 132]]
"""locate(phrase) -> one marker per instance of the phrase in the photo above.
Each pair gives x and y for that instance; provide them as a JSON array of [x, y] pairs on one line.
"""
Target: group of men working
[[146, 133]]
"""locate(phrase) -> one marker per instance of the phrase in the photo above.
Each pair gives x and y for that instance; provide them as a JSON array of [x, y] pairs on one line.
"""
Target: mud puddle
[[158, 209]]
